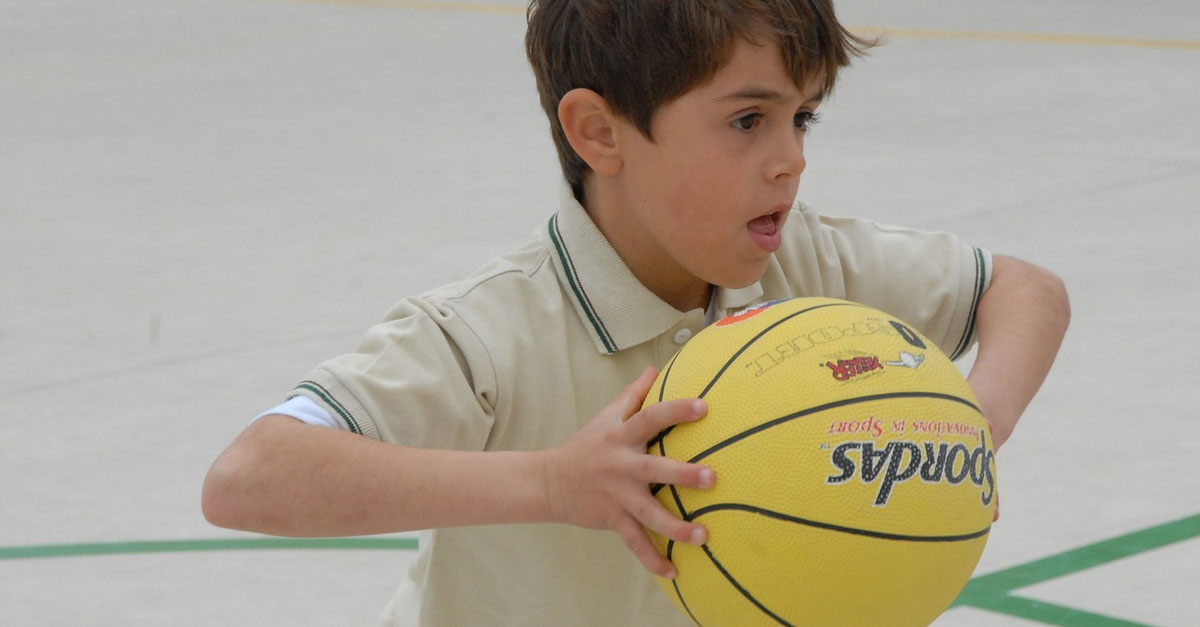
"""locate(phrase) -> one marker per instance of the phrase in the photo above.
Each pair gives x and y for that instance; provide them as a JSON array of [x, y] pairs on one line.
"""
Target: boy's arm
[[1022, 319], [283, 477]]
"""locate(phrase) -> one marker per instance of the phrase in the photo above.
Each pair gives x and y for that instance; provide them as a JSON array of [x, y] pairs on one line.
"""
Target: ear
[[590, 127]]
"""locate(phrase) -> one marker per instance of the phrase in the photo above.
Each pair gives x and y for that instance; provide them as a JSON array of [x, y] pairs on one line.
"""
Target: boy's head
[[641, 54]]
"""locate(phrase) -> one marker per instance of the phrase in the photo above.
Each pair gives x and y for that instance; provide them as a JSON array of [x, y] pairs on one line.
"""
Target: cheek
[[701, 200], [695, 183], [704, 177]]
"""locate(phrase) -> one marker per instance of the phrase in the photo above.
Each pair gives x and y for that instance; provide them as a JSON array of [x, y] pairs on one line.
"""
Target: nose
[[788, 157]]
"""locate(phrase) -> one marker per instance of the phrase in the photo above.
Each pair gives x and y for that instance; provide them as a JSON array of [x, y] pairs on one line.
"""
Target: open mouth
[[765, 231], [766, 225]]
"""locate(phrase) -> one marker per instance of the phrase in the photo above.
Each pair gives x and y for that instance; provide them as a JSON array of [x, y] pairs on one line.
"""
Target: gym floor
[[201, 200]]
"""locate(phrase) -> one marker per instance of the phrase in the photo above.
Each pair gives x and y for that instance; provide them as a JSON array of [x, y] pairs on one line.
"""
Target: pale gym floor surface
[[201, 200]]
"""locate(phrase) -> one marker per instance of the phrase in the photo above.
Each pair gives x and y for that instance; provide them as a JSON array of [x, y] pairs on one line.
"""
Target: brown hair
[[641, 54]]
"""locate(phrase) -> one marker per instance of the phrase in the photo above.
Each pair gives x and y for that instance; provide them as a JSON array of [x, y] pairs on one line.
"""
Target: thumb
[[635, 393]]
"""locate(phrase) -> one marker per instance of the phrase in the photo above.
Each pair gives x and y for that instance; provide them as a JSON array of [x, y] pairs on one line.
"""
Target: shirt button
[[683, 335]]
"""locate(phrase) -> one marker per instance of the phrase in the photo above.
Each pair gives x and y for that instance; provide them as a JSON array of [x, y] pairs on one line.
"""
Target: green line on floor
[[1047, 613], [177, 546], [993, 591], [1089, 556]]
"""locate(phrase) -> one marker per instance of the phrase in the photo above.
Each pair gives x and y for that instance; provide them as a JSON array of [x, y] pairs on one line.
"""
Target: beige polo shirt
[[527, 350]]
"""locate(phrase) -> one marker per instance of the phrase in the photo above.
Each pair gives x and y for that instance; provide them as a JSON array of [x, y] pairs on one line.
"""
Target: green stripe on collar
[[580, 294]]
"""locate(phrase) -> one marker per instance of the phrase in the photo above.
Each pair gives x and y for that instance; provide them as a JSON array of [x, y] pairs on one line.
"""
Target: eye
[[748, 121], [803, 120]]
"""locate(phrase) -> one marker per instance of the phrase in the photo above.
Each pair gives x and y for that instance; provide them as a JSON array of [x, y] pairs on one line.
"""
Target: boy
[[506, 398]]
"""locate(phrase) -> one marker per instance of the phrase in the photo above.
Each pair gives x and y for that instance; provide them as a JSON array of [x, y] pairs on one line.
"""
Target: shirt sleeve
[[422, 377], [303, 409], [931, 280]]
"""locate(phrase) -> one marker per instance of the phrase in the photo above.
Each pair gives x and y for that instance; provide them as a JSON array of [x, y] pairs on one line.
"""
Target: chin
[[741, 280]]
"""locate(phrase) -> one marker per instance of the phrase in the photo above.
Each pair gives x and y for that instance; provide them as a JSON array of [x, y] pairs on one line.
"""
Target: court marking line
[[456, 7], [1050, 613], [231, 544], [1042, 38], [885, 31], [992, 592]]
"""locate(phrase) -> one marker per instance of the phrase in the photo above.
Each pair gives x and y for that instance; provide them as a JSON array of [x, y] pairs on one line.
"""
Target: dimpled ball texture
[[856, 478]]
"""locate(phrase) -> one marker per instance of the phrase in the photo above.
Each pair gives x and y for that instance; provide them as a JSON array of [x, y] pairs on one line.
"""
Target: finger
[[652, 420], [638, 541], [653, 516], [655, 469], [631, 398]]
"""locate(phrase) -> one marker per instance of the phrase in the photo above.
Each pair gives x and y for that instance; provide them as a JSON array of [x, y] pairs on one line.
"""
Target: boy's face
[[705, 201]]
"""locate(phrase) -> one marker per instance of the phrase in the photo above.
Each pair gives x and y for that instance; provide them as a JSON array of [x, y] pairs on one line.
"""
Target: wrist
[[546, 478]]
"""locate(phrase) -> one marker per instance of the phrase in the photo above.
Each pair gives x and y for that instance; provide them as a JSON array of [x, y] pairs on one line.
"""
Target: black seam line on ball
[[661, 390], [675, 583], [827, 406], [746, 593], [832, 527]]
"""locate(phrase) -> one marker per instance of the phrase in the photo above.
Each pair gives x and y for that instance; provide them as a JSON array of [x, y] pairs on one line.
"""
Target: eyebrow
[[761, 93]]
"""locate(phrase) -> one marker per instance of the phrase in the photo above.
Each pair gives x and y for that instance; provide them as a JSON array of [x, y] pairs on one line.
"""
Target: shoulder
[[448, 353], [849, 243], [489, 317], [930, 279], [501, 289]]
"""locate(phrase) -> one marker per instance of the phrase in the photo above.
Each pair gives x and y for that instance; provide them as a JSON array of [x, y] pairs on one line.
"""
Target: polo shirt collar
[[618, 311]]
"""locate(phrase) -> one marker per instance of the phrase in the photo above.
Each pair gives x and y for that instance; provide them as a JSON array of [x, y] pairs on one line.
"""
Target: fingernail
[[700, 407], [707, 477], [670, 574], [698, 537]]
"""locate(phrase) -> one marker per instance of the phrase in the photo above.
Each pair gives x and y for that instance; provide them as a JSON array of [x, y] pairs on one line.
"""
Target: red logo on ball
[[846, 369]]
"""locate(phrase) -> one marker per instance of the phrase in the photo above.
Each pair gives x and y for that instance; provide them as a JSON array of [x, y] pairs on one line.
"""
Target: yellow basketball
[[856, 479]]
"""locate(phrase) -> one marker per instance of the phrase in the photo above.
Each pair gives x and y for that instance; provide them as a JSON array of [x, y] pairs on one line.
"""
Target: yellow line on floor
[[1048, 38], [429, 5], [909, 33]]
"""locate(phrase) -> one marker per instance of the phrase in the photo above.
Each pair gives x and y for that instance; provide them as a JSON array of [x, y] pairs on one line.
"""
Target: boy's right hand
[[600, 478]]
